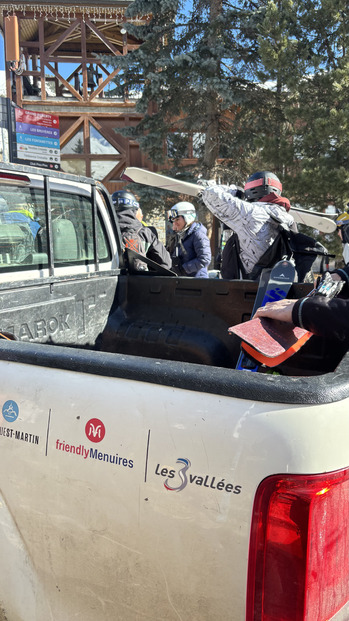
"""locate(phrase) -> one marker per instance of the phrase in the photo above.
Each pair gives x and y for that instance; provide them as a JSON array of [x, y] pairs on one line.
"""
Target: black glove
[[177, 266], [240, 193]]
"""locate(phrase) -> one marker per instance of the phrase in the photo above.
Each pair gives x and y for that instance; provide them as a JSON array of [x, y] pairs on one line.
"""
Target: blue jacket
[[191, 254]]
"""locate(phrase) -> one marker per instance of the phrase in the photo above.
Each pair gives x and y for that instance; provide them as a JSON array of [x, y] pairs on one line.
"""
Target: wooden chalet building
[[51, 66]]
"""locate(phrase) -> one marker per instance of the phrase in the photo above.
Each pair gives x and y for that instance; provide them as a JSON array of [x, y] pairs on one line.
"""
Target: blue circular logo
[[10, 411]]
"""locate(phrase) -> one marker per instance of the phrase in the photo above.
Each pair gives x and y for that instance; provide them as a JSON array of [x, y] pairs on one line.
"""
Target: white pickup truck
[[142, 476]]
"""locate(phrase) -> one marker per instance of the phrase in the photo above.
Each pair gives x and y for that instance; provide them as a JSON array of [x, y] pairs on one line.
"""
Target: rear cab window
[[52, 225]]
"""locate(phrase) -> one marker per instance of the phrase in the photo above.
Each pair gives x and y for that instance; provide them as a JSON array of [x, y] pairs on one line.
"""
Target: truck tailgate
[[127, 492]]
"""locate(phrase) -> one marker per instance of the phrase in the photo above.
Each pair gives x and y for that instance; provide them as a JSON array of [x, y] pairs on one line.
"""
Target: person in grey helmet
[[255, 214], [189, 245], [135, 235], [264, 231]]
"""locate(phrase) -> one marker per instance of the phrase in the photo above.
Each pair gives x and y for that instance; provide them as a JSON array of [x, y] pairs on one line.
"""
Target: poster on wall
[[35, 138]]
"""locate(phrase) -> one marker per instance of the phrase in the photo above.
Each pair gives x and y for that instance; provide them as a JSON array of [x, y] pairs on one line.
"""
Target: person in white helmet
[[189, 246]]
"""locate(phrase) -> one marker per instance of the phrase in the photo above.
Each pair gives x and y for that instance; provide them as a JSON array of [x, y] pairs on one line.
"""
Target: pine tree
[[79, 147], [303, 47], [303, 50], [194, 74], [322, 132], [257, 84]]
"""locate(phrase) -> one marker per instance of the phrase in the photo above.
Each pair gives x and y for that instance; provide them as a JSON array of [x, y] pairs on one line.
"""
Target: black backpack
[[233, 268], [279, 249], [133, 241], [231, 265], [303, 248]]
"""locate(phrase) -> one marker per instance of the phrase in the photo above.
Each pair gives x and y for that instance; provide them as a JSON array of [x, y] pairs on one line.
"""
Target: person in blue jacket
[[189, 245]]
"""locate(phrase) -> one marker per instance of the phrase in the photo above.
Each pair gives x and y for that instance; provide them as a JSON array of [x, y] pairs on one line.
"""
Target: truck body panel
[[131, 450]]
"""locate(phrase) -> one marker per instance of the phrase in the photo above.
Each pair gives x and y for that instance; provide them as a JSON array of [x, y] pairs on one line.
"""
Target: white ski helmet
[[184, 209]]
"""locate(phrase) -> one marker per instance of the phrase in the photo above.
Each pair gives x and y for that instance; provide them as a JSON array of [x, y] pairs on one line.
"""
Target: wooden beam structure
[[58, 69]]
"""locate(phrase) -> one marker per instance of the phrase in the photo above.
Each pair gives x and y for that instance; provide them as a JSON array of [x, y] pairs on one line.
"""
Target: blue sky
[[2, 66], [2, 61]]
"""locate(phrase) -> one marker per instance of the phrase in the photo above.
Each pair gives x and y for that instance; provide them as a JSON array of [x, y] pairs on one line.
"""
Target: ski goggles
[[173, 214]]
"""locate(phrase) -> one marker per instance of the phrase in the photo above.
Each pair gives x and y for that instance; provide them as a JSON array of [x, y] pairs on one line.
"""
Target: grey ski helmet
[[184, 209], [260, 184], [124, 200]]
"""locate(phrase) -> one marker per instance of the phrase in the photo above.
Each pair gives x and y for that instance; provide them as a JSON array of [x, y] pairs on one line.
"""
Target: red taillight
[[299, 548]]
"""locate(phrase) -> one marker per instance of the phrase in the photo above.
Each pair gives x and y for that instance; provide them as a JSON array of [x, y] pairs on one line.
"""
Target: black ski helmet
[[260, 184], [124, 200]]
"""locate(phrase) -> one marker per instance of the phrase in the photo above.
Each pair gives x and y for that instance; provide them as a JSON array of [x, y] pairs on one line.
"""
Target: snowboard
[[270, 342], [314, 219], [272, 287]]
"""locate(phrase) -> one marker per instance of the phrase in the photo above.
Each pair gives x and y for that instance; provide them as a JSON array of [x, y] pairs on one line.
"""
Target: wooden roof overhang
[[76, 34], [108, 17]]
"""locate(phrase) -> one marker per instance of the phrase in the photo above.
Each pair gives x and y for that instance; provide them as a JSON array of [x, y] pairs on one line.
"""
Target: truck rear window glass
[[23, 234], [72, 230]]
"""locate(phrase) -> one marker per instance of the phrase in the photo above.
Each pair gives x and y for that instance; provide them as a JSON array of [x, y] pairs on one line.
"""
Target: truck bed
[[182, 319]]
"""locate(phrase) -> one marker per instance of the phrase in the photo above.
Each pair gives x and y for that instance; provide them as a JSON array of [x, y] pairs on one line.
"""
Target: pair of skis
[[313, 219]]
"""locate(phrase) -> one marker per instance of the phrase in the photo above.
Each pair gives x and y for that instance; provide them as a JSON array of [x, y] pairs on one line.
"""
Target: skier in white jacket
[[256, 220]]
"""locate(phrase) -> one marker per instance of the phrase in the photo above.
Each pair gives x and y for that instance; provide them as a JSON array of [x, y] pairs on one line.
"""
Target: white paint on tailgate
[[162, 534], [19, 584]]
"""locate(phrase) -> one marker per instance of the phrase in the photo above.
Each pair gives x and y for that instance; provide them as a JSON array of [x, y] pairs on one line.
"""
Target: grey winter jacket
[[256, 224]]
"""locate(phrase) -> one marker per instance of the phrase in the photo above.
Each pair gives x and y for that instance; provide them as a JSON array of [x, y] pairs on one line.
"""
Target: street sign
[[35, 138], [28, 137]]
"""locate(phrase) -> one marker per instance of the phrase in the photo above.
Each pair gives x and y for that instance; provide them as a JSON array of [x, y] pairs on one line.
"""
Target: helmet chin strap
[[182, 232]]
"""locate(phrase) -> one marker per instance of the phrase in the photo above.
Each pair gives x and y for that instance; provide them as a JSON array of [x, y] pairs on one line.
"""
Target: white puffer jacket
[[256, 224]]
